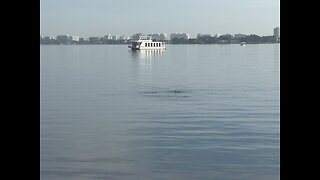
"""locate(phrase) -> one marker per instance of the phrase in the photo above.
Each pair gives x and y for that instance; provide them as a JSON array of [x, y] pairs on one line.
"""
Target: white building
[[108, 37], [179, 36], [75, 38]]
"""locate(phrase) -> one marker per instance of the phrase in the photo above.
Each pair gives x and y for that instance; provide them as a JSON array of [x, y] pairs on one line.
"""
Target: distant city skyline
[[164, 36], [87, 18]]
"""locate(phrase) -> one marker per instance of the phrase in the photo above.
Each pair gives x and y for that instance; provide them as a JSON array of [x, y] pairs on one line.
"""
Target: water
[[189, 112]]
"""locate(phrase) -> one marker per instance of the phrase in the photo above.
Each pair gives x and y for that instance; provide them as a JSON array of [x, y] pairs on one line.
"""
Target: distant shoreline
[[167, 44], [200, 39]]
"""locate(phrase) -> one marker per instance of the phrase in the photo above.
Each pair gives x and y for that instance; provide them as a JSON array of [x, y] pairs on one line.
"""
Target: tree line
[[226, 39]]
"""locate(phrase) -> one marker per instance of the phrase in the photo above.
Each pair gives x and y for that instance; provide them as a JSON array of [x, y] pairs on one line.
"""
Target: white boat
[[146, 43], [243, 43]]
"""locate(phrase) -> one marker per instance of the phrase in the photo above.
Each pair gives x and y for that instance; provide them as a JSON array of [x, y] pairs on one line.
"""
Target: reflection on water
[[147, 54], [148, 61]]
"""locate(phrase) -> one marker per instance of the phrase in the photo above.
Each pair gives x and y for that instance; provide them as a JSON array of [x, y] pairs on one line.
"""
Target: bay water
[[188, 112]]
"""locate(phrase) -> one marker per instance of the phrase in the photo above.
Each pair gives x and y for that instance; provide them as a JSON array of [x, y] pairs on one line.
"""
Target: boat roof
[[145, 38]]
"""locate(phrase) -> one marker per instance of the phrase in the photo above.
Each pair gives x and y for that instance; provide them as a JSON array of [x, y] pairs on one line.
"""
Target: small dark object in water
[[175, 91], [163, 93]]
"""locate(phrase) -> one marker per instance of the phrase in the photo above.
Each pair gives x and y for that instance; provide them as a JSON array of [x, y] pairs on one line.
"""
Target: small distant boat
[[243, 43], [146, 43]]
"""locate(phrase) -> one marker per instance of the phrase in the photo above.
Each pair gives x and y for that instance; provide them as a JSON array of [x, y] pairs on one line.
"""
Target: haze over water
[[189, 112]]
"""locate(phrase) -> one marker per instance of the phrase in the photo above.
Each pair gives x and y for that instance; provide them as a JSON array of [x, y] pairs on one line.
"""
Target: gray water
[[189, 112]]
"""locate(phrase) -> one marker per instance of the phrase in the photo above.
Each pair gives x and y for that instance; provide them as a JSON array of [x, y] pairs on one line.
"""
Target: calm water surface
[[189, 112]]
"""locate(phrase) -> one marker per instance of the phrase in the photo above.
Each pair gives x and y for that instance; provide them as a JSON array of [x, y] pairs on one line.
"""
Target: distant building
[[229, 35], [179, 36], [47, 37], [46, 40], [94, 40], [136, 36], [75, 38], [115, 37], [276, 33], [239, 35], [158, 36], [108, 37], [163, 36], [123, 38], [203, 35], [82, 39], [64, 39]]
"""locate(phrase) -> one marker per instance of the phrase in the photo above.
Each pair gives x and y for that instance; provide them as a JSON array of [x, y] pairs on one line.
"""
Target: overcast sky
[[125, 17]]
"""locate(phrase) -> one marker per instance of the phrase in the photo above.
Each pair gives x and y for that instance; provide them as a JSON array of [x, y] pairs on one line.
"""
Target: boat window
[[145, 44], [151, 44], [148, 44], [159, 44]]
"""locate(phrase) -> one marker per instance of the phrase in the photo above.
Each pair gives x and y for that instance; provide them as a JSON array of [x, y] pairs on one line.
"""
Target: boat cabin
[[145, 42]]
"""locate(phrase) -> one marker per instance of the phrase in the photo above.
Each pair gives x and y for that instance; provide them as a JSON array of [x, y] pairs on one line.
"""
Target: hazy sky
[[125, 17]]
